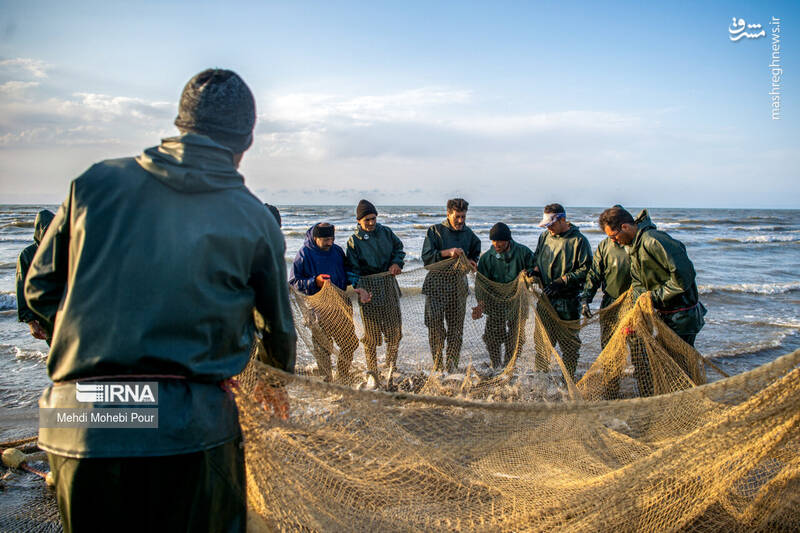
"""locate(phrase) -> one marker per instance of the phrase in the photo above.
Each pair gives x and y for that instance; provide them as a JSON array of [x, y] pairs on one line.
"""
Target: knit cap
[[219, 104], [500, 232], [365, 208]]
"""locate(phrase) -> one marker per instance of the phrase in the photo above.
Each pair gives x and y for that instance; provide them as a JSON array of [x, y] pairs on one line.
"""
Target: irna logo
[[117, 393]]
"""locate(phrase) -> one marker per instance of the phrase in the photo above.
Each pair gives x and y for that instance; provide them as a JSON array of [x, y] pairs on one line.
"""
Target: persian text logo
[[117, 393], [737, 27]]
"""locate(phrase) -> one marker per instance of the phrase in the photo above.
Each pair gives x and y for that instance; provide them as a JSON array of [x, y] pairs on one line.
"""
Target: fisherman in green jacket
[[563, 257], [505, 320], [660, 266], [446, 290], [150, 273], [43, 219], [375, 249], [611, 271]]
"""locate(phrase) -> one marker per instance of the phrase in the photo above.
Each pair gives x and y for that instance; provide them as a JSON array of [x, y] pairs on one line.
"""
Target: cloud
[[17, 89], [105, 108], [412, 146], [42, 136], [81, 118], [32, 67], [420, 123], [305, 108]]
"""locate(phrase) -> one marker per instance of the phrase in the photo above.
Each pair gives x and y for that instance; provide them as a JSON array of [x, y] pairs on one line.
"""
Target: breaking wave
[[760, 239], [8, 300], [26, 354], [18, 224], [763, 228], [752, 288], [748, 348]]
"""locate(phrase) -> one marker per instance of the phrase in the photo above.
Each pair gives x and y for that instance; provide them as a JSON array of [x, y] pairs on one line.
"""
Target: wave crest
[[759, 239], [8, 300], [752, 288]]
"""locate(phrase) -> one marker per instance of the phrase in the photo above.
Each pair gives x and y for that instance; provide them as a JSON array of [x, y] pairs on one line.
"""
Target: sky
[[411, 103]]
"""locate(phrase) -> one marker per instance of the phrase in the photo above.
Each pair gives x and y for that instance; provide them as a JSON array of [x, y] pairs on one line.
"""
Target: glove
[[585, 311], [531, 273], [554, 288]]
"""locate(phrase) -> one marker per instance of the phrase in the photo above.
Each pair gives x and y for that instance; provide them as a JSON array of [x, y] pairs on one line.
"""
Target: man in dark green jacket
[[446, 290], [375, 249], [153, 265], [563, 257], [505, 313], [660, 266], [611, 271], [43, 219]]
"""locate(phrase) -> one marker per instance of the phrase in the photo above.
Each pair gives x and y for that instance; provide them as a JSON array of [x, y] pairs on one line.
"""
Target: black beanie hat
[[323, 231], [500, 232], [365, 208], [218, 103]]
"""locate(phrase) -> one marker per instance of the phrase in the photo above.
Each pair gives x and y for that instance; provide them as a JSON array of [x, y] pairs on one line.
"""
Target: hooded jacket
[[611, 271], [154, 265], [43, 219], [443, 236], [505, 267], [568, 254], [372, 252], [311, 261], [659, 264]]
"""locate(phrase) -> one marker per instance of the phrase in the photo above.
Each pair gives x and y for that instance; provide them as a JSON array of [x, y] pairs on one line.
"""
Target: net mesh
[[26, 503], [480, 424]]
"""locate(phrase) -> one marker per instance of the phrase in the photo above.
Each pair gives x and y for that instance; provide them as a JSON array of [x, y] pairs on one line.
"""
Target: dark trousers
[[502, 329], [555, 334], [201, 491], [343, 333], [381, 322], [452, 309]]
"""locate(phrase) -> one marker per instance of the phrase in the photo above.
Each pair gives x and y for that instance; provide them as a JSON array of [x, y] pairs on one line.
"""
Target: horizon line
[[499, 206]]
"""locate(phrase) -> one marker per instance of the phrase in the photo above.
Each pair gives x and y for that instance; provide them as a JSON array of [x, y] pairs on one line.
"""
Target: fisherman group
[[634, 254]]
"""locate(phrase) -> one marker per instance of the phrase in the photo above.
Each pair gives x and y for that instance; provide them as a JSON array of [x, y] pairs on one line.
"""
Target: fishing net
[[456, 439], [446, 331], [26, 503], [493, 414]]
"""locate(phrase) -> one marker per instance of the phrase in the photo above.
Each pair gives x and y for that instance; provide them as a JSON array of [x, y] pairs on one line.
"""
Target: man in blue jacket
[[320, 261]]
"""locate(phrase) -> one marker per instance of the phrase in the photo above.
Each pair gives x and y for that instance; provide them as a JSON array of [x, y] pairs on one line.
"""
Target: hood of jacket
[[571, 232], [312, 244], [191, 163], [644, 223], [43, 220]]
